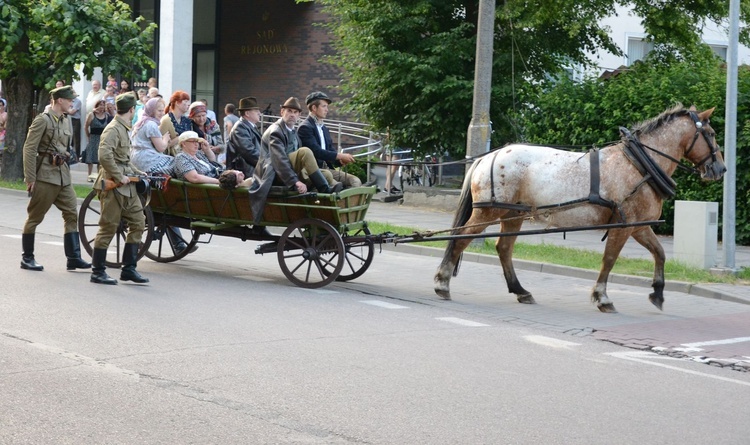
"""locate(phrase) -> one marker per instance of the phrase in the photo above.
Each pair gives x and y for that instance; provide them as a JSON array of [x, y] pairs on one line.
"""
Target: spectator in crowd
[[120, 203], [153, 92], [151, 82], [142, 99], [110, 95], [176, 120], [243, 145], [124, 86], [48, 182], [230, 118], [148, 144], [95, 95], [3, 120], [96, 122], [193, 163], [59, 83], [209, 112], [112, 82], [75, 119], [314, 135], [207, 129]]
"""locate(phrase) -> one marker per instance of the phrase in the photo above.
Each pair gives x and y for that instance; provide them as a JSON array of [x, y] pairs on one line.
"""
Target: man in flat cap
[[314, 135], [284, 161], [47, 177], [243, 143], [121, 202]]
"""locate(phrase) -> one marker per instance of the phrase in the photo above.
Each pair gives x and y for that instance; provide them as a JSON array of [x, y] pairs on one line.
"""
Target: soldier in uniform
[[121, 202], [47, 178]]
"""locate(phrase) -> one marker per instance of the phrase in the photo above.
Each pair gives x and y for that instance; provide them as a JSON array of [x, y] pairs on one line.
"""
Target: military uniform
[[121, 202], [47, 176]]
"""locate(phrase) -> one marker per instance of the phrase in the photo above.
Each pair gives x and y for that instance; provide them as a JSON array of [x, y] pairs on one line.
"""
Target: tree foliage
[[590, 113], [46, 40], [408, 65]]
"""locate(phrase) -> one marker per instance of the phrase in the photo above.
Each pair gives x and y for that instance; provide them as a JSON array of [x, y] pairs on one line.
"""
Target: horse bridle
[[700, 130]]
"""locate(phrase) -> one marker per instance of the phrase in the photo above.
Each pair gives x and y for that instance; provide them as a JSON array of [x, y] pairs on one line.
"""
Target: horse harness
[[635, 151]]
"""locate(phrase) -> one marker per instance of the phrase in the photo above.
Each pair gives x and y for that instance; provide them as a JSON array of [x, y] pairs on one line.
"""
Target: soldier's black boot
[[321, 184], [129, 259], [27, 258], [98, 274], [73, 252]]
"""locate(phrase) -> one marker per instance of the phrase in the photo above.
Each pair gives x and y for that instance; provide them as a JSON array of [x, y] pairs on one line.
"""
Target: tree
[[46, 40], [408, 65]]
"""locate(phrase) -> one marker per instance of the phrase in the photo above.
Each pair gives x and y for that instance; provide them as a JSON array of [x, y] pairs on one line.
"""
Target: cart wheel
[[165, 240], [311, 253], [88, 226], [358, 257]]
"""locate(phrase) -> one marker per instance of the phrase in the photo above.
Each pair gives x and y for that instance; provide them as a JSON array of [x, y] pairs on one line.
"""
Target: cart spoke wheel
[[88, 226], [170, 243], [311, 253], [358, 256]]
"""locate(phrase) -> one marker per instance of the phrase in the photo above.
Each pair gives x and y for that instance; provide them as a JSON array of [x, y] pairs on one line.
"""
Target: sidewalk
[[428, 219]]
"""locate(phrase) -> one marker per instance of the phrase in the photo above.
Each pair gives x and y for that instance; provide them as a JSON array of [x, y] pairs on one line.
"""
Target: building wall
[[269, 49]]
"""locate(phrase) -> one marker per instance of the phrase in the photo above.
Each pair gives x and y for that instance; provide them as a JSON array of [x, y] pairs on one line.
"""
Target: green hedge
[[590, 112]]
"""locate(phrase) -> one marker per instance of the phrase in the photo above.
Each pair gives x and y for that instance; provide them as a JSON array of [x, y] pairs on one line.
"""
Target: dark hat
[[317, 95], [248, 103], [65, 92], [292, 103], [124, 102]]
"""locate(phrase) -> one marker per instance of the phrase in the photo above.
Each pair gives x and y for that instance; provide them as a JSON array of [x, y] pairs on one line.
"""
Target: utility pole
[[480, 128], [730, 140]]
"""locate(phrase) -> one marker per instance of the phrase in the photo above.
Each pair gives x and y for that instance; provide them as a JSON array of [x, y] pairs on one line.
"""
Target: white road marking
[[647, 357], [549, 341], [462, 322], [323, 291], [53, 243], [695, 347], [13, 236], [383, 304], [203, 269], [252, 278]]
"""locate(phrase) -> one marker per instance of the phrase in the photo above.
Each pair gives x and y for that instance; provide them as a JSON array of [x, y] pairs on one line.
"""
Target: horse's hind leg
[[452, 254], [504, 247], [615, 241], [648, 239]]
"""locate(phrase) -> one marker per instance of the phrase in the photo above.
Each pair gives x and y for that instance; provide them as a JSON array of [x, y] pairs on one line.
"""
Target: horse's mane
[[650, 125]]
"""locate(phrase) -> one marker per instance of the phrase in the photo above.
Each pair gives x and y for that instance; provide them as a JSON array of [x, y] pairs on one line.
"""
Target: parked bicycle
[[418, 173]]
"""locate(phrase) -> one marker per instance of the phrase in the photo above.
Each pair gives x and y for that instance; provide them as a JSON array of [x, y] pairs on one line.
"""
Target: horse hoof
[[656, 301], [526, 299], [607, 308], [444, 294]]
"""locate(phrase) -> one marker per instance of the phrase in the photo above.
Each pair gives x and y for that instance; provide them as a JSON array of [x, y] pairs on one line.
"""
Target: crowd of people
[[132, 133]]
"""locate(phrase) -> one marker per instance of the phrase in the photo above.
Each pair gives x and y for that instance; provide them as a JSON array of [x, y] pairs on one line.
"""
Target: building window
[[637, 50]]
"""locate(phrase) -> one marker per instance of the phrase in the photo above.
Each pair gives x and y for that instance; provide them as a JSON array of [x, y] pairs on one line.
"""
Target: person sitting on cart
[[283, 161], [315, 135], [194, 163], [231, 179]]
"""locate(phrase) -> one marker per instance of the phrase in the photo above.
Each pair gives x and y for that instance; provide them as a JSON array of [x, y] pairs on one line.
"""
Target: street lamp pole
[[480, 128], [730, 139]]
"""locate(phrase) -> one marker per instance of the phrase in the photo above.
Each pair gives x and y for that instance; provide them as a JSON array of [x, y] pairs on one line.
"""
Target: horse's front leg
[[615, 242], [647, 238], [504, 247]]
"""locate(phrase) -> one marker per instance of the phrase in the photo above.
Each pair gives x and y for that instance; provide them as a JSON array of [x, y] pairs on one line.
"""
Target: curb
[[698, 290]]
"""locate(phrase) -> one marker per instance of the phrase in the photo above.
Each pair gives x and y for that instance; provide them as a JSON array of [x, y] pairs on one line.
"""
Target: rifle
[[157, 181]]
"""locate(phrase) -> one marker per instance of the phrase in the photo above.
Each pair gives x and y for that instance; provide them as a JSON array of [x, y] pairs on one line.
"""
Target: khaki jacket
[[48, 133], [114, 157]]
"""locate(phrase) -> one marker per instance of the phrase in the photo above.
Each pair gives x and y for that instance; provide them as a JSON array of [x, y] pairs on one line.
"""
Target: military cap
[[292, 103], [248, 103], [65, 92], [124, 102], [317, 95]]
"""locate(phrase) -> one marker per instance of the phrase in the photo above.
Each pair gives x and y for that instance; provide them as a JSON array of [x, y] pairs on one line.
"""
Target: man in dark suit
[[243, 144], [315, 135]]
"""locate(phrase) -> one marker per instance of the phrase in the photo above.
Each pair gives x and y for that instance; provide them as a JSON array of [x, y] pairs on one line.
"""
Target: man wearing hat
[[283, 160], [47, 178], [122, 202], [315, 135], [243, 144]]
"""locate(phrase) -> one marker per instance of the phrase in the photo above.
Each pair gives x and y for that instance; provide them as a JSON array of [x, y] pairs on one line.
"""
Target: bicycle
[[418, 174]]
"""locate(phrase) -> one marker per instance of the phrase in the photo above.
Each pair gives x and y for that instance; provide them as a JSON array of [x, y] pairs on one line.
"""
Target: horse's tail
[[463, 213]]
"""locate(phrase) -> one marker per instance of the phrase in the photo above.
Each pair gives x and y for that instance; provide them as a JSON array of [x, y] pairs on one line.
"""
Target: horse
[[618, 185]]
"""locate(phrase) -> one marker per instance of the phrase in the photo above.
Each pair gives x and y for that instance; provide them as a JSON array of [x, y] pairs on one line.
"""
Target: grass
[[584, 259], [82, 191]]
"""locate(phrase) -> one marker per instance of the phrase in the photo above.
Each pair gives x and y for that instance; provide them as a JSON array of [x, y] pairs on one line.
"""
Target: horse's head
[[703, 151]]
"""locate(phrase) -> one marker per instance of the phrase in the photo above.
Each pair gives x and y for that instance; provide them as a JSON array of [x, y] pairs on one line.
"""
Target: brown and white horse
[[564, 189]]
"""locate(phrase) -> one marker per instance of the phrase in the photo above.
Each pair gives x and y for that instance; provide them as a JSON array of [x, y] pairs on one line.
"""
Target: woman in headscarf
[[148, 144], [207, 129]]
